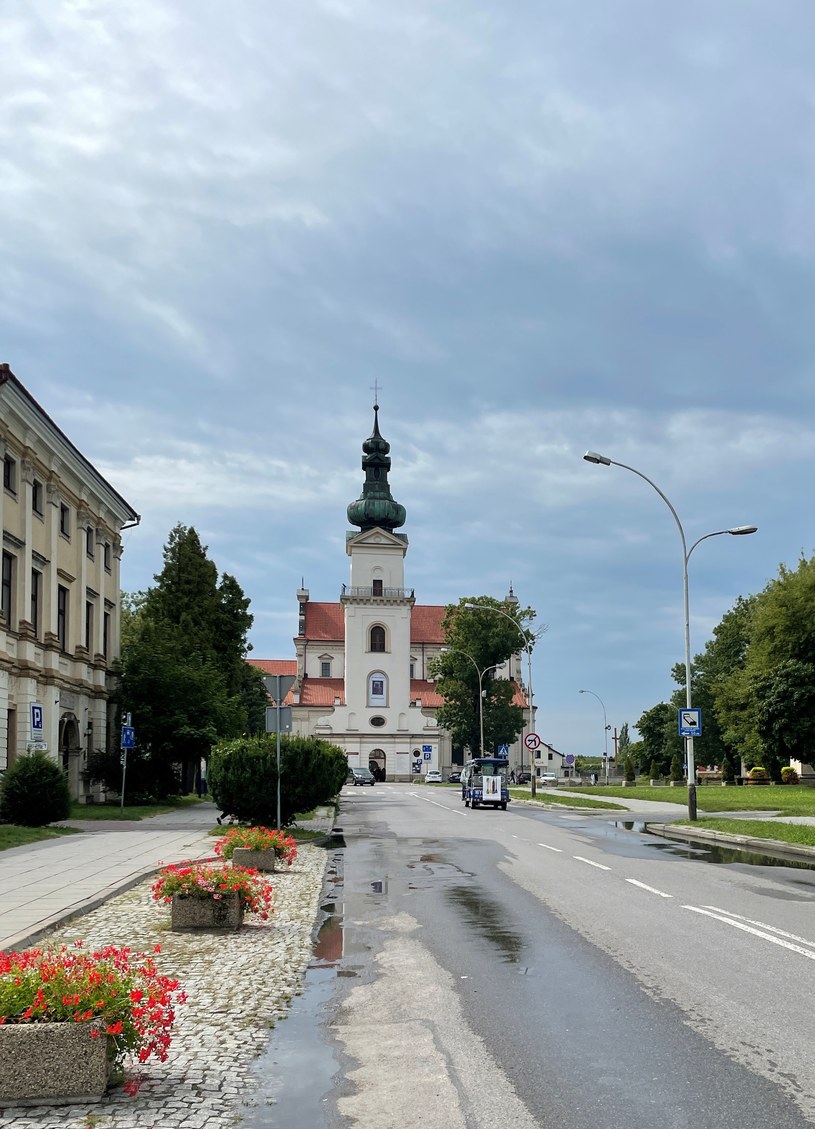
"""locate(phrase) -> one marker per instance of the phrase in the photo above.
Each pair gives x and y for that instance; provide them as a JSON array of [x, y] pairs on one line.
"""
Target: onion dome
[[375, 508]]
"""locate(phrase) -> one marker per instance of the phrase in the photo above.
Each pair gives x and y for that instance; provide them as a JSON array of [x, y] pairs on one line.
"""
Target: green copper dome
[[375, 508]]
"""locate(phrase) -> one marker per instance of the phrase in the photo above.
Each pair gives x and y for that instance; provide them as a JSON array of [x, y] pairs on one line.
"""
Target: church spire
[[375, 507]]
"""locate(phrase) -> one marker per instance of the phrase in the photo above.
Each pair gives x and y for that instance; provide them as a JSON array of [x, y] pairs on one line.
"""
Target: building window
[[62, 617], [6, 598], [325, 669], [89, 539], [377, 689], [377, 588], [89, 626], [64, 520], [36, 497], [36, 601], [105, 634], [10, 474], [107, 556], [377, 638], [413, 670]]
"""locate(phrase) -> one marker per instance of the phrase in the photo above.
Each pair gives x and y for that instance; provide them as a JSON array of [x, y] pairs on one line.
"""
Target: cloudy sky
[[541, 226]]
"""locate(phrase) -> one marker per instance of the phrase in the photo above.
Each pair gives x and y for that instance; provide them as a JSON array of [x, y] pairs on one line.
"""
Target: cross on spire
[[375, 390]]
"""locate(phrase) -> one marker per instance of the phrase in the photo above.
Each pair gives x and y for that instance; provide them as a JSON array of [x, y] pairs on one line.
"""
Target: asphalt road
[[535, 968]]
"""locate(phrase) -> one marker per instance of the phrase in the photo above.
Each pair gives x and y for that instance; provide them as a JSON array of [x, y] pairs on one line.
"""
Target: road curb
[[775, 848]]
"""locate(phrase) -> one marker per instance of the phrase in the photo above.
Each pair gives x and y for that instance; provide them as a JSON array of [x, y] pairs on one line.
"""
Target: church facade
[[362, 665]]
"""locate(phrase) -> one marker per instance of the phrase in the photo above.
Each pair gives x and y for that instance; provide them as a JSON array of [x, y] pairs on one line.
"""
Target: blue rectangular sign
[[128, 737], [690, 722]]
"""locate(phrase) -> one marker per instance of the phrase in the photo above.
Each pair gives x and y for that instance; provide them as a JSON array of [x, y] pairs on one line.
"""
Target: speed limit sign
[[532, 741]]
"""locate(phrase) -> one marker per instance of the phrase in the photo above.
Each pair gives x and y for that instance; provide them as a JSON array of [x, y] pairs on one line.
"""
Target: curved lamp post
[[735, 531], [605, 725], [480, 674], [506, 615]]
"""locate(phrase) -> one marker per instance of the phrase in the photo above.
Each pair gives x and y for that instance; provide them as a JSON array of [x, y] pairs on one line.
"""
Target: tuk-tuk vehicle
[[485, 783]]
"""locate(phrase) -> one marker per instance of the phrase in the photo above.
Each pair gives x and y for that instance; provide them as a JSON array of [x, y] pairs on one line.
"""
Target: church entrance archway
[[376, 763]]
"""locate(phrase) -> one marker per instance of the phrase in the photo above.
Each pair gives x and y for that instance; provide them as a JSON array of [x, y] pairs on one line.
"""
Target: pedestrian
[[512, 777]]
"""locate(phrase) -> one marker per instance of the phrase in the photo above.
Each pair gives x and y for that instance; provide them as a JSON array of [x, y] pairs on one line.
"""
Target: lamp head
[[593, 457], [743, 530], [581, 691]]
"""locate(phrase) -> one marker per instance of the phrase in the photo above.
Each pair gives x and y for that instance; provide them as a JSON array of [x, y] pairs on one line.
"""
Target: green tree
[[183, 675], [479, 640], [785, 714], [659, 731]]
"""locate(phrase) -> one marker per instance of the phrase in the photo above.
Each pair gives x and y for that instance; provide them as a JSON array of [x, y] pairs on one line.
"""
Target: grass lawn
[[12, 835], [130, 811], [792, 799], [549, 797], [758, 829]]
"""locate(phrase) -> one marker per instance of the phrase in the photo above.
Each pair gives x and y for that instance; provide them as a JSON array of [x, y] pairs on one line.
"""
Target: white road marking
[[810, 953], [650, 889], [599, 865], [763, 925], [548, 848]]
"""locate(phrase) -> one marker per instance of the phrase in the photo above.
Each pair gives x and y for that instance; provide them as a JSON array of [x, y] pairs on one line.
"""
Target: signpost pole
[[277, 744]]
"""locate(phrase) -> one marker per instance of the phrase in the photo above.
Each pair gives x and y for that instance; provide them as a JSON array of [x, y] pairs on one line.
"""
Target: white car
[[548, 778], [432, 777]]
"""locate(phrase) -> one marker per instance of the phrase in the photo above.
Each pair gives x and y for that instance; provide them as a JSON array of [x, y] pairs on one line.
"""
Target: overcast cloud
[[541, 226]]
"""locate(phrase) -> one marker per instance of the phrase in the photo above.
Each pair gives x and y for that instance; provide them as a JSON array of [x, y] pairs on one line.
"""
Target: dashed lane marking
[[650, 889], [742, 924], [599, 865], [548, 848]]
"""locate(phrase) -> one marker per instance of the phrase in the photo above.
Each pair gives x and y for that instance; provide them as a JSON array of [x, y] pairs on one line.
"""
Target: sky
[[538, 227]]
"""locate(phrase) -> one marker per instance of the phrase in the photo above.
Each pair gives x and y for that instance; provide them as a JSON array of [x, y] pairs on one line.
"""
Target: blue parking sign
[[128, 737]]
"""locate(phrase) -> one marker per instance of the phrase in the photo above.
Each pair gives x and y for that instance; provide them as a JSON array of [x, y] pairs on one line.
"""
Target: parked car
[[454, 778], [432, 777], [363, 776], [548, 778], [524, 777]]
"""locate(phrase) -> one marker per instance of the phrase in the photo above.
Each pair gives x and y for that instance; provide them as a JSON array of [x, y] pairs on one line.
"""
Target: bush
[[35, 792], [758, 772], [147, 780], [677, 769], [728, 773], [242, 777], [628, 770], [789, 775], [653, 771]]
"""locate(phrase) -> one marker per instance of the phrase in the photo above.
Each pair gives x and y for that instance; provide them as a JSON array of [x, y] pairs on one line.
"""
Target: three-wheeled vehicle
[[485, 782]]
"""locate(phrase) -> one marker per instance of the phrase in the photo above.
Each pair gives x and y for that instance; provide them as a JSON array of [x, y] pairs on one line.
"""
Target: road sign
[[532, 741], [36, 721], [278, 684], [503, 750], [37, 746], [128, 737], [426, 755], [690, 722], [570, 758], [285, 719], [427, 748]]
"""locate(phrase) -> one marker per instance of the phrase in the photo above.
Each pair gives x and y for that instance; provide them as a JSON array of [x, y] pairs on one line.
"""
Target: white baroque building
[[362, 663], [60, 595]]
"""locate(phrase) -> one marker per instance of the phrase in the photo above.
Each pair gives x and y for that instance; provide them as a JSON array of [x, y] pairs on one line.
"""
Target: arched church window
[[377, 689], [377, 638]]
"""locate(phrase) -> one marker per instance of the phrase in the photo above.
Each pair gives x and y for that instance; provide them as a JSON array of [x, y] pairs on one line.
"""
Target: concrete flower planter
[[188, 911], [260, 860], [52, 1063]]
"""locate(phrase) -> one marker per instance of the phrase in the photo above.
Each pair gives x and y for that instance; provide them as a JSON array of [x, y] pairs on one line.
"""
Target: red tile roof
[[322, 691], [275, 666], [425, 623], [326, 622], [427, 692]]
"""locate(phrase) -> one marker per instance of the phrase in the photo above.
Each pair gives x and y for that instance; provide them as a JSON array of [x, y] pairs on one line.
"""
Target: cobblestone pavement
[[238, 987]]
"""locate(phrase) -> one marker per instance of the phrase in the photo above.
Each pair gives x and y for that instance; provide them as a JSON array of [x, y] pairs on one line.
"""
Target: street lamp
[[605, 725], [735, 531], [480, 674], [506, 615]]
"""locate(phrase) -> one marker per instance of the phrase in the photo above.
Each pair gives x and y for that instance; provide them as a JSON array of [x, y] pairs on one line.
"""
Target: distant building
[[60, 597], [362, 664]]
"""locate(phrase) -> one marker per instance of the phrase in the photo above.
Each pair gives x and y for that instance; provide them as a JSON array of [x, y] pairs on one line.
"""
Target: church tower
[[376, 605]]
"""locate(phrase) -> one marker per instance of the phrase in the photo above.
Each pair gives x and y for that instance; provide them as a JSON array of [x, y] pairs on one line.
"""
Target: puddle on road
[[295, 1074], [488, 919], [709, 852]]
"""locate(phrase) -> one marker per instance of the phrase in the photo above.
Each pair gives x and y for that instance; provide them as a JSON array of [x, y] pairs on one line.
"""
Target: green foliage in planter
[[677, 771], [654, 772], [242, 777], [628, 769], [758, 772], [789, 775], [35, 792]]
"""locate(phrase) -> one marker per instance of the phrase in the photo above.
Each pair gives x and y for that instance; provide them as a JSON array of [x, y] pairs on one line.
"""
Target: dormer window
[[325, 668]]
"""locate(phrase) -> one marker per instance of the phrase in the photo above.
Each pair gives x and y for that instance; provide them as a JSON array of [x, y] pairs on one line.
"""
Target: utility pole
[[615, 746]]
